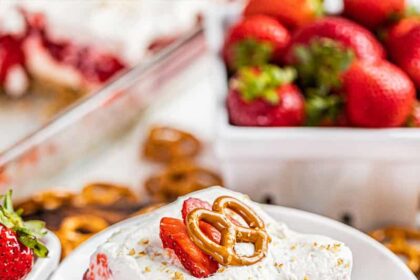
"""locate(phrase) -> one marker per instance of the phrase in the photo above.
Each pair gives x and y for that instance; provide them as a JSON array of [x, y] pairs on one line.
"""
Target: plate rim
[[45, 267]]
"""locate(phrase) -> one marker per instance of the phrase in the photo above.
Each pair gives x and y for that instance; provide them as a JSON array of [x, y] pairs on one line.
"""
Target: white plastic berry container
[[367, 178]]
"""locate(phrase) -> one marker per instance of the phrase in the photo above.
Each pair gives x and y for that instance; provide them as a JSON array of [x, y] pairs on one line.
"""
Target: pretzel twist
[[179, 179], [399, 241], [165, 144], [77, 229], [224, 253]]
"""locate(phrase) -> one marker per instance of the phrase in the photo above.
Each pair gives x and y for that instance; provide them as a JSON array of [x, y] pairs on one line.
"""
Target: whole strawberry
[[373, 13], [403, 43], [349, 34], [18, 242], [264, 96], [377, 95], [255, 41], [293, 13]]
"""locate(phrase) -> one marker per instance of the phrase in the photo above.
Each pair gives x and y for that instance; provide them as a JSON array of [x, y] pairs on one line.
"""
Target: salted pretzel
[[399, 241], [179, 179], [105, 194], [224, 253], [75, 230], [165, 144]]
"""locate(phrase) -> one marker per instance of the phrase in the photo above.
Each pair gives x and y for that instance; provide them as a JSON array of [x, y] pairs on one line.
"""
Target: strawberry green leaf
[[32, 242], [322, 109], [321, 63], [262, 82], [250, 52]]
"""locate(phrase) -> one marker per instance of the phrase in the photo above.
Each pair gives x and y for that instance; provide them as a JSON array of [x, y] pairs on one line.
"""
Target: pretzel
[[47, 200], [165, 144], [76, 229], [224, 253], [398, 241], [180, 179], [105, 194]]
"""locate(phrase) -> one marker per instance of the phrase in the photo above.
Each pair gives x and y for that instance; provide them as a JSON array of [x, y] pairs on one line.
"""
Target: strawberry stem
[[262, 82], [250, 52], [320, 66], [321, 63]]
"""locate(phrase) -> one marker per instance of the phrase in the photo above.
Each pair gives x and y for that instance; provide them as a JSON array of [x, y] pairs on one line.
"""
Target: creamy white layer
[[136, 252]]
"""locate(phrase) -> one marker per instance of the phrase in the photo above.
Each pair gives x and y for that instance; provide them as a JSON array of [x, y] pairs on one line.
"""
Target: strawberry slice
[[174, 235], [194, 203]]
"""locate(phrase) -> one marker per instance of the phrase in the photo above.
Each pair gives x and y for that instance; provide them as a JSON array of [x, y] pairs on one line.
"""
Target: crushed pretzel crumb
[[178, 276], [132, 252], [141, 253], [340, 261], [147, 269]]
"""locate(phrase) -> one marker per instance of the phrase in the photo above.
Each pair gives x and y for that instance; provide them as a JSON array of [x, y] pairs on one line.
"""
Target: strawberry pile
[[292, 65], [19, 242]]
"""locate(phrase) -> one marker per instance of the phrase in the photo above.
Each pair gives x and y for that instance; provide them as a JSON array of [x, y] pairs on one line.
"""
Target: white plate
[[44, 267], [371, 259]]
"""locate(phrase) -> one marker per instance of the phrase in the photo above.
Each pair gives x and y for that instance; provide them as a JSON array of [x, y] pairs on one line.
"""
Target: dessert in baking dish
[[79, 45], [218, 234]]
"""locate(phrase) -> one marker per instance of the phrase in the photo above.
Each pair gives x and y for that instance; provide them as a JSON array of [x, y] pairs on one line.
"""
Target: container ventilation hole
[[347, 219], [268, 199]]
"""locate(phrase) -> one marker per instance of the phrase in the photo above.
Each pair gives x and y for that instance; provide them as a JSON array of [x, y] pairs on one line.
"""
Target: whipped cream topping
[[136, 252]]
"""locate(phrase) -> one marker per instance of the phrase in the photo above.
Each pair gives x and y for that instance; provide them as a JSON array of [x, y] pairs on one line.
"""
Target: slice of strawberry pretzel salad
[[217, 234]]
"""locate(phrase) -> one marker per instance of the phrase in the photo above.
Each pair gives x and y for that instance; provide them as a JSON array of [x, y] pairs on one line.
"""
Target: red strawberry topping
[[194, 203], [174, 235]]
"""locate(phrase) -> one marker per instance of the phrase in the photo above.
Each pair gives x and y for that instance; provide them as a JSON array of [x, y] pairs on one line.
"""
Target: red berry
[[11, 54], [377, 95], [403, 42], [98, 267], [349, 34], [255, 41], [293, 13], [18, 246], [173, 234], [373, 13], [264, 96], [16, 259], [194, 203]]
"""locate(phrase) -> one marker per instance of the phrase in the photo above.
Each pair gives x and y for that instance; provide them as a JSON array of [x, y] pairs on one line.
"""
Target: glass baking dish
[[96, 120]]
